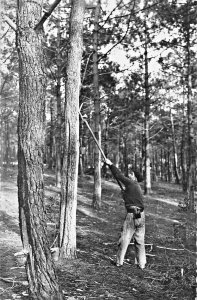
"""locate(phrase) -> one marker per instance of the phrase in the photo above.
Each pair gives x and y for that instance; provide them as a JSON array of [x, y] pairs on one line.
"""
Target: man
[[134, 224]]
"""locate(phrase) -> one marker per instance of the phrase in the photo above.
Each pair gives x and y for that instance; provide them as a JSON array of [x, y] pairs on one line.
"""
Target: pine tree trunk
[[117, 150], [175, 159], [161, 165], [97, 155], [32, 91], [59, 111], [147, 183], [183, 154], [7, 142], [125, 155], [104, 167], [166, 165], [52, 133], [190, 141], [58, 134], [156, 166], [106, 136], [71, 151], [169, 165], [82, 148]]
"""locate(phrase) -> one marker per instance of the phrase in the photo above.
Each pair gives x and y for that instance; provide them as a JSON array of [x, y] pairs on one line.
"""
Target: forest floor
[[171, 261]]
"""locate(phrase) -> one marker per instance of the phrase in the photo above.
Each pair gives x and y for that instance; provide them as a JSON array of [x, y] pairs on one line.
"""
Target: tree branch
[[119, 41], [105, 21], [46, 15], [49, 12], [10, 22], [84, 74]]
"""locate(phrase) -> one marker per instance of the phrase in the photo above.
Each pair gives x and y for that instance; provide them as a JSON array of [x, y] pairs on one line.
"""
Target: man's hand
[[108, 162]]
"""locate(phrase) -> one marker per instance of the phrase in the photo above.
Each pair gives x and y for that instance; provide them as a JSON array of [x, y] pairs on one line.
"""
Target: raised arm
[[117, 173]]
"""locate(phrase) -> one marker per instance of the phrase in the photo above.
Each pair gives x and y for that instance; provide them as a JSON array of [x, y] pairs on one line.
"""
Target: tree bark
[[183, 154], [125, 154], [82, 149], [59, 110], [7, 143], [52, 132], [68, 207], [161, 164], [58, 164], [32, 91], [97, 155], [147, 182], [191, 165], [175, 159], [117, 150], [106, 137]]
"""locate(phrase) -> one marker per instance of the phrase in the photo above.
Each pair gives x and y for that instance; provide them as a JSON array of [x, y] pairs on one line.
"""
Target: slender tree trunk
[[96, 203], [59, 110], [82, 148], [170, 172], [58, 134], [147, 185], [135, 164], [161, 164], [191, 165], [68, 205], [117, 152], [52, 132], [166, 165], [81, 158], [32, 91], [156, 165], [125, 155], [175, 158], [142, 163], [183, 154], [106, 129], [106, 137], [7, 142]]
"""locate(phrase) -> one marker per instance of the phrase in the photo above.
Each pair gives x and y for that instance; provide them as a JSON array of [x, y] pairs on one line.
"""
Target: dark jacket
[[132, 194]]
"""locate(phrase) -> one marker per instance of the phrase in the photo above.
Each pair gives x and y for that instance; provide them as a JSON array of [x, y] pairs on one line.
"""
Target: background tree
[[181, 62], [67, 241], [56, 51], [8, 90], [97, 123]]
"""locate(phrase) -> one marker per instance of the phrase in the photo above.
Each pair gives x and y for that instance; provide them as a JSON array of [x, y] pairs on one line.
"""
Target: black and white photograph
[[98, 149]]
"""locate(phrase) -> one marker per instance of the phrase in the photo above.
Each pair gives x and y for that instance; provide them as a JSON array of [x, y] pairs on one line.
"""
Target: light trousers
[[132, 228]]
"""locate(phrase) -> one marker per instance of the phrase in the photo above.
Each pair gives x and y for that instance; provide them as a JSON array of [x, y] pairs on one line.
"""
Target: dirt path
[[9, 213], [10, 241], [170, 273]]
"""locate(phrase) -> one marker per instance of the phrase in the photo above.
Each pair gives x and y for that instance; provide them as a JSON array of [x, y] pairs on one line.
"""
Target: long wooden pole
[[84, 120]]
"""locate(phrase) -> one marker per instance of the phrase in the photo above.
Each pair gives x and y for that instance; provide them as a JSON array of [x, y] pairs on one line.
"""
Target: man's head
[[131, 175], [135, 175]]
